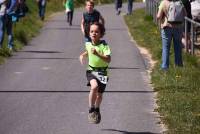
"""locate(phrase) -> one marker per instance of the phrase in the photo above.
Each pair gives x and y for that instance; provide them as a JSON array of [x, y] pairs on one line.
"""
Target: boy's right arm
[[82, 56]]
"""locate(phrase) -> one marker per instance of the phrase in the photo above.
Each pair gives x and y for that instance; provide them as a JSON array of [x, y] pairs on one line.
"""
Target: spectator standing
[[169, 31], [69, 9], [99, 56], [42, 8], [118, 6], [2, 20], [130, 7], [10, 8], [89, 17]]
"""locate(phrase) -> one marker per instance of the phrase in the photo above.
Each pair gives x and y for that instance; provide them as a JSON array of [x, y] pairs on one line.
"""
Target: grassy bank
[[179, 88], [27, 27]]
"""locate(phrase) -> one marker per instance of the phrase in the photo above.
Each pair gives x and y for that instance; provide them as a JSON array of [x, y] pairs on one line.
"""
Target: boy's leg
[[98, 100], [92, 118], [93, 92], [97, 106], [101, 89]]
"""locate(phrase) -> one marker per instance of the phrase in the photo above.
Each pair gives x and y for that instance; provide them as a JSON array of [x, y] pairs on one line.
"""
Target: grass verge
[[28, 27], [179, 88]]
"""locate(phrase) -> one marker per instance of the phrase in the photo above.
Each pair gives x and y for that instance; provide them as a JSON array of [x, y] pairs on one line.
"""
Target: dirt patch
[[147, 55]]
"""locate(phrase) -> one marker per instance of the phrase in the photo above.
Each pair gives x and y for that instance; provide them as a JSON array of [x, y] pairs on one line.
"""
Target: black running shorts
[[90, 76]]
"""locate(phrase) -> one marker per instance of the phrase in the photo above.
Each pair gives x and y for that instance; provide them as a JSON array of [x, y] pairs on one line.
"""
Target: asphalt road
[[43, 87]]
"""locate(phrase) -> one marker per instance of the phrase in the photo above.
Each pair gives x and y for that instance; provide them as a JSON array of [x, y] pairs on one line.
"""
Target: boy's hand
[[94, 51]]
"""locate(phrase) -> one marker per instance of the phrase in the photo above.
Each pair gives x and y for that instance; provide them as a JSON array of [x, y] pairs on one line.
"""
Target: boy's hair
[[89, 1], [101, 28]]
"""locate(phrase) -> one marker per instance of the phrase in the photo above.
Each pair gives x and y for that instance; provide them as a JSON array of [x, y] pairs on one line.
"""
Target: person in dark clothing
[[130, 7], [89, 17], [118, 6], [42, 8], [69, 9], [10, 8], [2, 20]]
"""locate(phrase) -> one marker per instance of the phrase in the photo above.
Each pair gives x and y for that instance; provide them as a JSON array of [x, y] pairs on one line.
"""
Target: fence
[[194, 34], [152, 9]]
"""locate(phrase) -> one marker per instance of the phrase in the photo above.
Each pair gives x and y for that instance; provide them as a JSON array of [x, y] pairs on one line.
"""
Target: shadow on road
[[123, 68], [126, 132], [76, 27], [67, 91], [63, 28], [116, 29], [40, 51], [48, 58]]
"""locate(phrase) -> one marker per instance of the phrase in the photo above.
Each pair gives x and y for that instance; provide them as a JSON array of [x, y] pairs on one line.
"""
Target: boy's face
[[89, 7], [95, 33]]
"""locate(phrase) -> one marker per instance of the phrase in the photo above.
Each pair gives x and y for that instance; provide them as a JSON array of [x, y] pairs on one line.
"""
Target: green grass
[[179, 88]]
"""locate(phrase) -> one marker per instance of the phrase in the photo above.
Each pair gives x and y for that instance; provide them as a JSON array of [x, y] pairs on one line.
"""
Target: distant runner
[[90, 16], [69, 10]]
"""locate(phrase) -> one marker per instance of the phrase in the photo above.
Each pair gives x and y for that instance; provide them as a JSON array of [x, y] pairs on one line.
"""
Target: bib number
[[101, 77]]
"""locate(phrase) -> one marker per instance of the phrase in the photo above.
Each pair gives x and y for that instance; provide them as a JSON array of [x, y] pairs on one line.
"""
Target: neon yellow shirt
[[94, 60]]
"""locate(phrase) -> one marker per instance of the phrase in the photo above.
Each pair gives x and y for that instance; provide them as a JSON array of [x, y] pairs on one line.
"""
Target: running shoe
[[92, 118]]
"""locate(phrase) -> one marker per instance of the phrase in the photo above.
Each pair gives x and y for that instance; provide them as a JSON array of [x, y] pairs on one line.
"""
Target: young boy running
[[90, 16], [99, 56]]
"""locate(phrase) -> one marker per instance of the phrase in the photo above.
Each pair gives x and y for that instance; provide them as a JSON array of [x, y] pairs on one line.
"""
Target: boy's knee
[[94, 84]]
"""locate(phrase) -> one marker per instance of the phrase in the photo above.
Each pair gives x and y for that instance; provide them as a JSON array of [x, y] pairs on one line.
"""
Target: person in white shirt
[[2, 20]]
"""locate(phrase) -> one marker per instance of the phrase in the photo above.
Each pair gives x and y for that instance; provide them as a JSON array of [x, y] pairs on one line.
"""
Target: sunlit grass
[[178, 88]]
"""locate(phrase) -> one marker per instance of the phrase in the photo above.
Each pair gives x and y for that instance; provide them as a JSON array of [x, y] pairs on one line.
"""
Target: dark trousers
[[42, 8], [130, 6], [118, 4], [70, 17], [6, 24]]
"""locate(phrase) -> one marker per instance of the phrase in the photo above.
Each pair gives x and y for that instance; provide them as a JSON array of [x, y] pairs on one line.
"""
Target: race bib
[[101, 77]]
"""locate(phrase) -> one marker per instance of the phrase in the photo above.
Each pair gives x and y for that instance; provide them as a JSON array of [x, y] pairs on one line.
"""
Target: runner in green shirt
[[69, 9], [99, 56]]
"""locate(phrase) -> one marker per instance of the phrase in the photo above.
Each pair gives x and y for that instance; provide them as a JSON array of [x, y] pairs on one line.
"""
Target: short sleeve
[[107, 50], [87, 45]]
